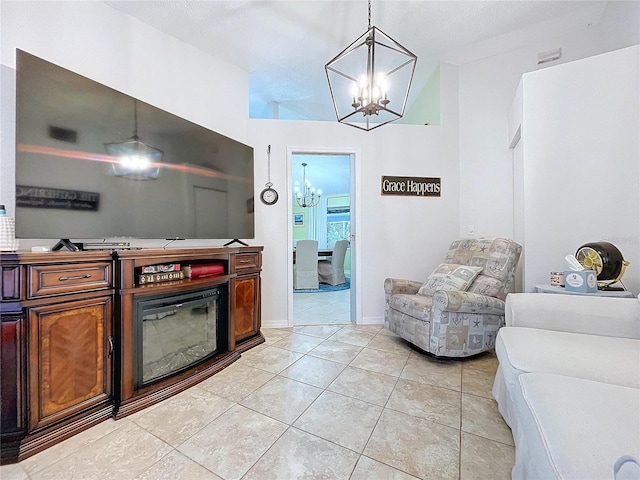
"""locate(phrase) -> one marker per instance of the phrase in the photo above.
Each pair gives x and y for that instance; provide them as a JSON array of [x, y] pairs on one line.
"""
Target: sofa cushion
[[571, 428], [449, 276], [611, 360]]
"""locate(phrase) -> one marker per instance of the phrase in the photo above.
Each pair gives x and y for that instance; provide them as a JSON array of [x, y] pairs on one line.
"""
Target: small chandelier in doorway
[[370, 80], [308, 196]]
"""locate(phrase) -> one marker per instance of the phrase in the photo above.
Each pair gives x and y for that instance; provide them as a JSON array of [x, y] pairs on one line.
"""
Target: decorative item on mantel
[[370, 80], [8, 242], [160, 273], [204, 270]]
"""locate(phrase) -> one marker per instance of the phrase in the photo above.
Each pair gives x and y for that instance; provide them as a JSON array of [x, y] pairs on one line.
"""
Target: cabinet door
[[69, 359], [245, 310], [12, 378]]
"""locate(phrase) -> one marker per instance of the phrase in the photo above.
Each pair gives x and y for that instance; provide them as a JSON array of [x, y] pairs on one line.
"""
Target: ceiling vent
[[549, 56]]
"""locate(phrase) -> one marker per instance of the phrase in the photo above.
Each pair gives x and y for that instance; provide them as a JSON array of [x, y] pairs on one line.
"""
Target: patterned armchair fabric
[[455, 323]]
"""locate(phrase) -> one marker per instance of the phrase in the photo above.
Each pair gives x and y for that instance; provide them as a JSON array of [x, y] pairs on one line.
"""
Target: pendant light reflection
[[136, 159]]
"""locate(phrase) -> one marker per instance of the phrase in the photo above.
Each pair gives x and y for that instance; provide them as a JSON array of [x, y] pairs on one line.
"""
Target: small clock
[[269, 196]]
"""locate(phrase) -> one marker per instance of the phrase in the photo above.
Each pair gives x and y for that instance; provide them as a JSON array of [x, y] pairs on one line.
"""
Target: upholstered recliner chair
[[458, 311]]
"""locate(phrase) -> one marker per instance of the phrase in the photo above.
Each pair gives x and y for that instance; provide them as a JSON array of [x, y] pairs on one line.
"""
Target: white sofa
[[568, 384]]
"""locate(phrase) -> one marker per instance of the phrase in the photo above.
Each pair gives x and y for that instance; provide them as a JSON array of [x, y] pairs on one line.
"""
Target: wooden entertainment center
[[69, 353]]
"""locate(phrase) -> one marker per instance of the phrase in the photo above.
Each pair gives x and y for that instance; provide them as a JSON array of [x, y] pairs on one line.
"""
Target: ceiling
[[328, 173], [284, 45]]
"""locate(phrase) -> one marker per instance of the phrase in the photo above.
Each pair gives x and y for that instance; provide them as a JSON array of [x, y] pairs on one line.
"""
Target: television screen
[[92, 162]]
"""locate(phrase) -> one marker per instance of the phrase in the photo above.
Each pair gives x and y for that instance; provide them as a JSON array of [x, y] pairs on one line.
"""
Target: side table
[[599, 293]]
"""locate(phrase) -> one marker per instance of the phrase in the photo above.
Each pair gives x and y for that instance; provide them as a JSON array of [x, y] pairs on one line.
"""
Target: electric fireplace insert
[[173, 333]]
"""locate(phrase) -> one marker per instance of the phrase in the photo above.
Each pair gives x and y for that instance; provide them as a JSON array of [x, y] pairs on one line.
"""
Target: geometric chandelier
[[370, 80], [136, 159]]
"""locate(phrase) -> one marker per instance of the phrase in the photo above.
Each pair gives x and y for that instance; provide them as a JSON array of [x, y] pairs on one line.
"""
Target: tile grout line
[[383, 407], [382, 412], [289, 426]]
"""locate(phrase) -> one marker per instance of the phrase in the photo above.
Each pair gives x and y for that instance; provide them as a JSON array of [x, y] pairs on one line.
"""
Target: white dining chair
[[332, 271], [305, 268]]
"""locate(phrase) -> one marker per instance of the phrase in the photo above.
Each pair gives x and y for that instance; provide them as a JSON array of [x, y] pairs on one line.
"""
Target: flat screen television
[[93, 163]]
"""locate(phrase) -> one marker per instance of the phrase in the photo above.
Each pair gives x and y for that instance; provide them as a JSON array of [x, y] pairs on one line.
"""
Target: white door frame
[[354, 154]]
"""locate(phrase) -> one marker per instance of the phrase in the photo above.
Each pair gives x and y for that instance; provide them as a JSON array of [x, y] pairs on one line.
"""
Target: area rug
[[325, 288]]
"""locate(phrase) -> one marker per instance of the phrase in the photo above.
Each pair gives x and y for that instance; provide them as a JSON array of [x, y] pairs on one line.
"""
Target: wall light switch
[[471, 229]]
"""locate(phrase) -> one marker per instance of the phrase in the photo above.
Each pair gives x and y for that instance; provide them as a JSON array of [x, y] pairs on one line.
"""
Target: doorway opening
[[329, 219]]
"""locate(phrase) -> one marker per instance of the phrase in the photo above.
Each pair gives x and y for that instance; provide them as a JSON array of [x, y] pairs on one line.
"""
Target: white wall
[[486, 178], [99, 42], [581, 154], [397, 236], [402, 237], [487, 88]]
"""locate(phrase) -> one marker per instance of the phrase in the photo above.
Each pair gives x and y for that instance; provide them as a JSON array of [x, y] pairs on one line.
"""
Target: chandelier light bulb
[[383, 85], [376, 93], [135, 162], [354, 94]]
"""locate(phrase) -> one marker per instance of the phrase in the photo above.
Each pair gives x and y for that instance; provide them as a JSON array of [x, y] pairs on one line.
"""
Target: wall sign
[[42, 197], [411, 186]]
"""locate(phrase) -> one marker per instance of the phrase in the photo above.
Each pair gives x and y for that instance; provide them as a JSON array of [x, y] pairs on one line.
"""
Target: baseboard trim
[[372, 321], [274, 323]]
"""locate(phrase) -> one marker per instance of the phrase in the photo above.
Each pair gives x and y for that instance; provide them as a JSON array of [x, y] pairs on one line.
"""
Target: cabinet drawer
[[246, 261], [45, 280]]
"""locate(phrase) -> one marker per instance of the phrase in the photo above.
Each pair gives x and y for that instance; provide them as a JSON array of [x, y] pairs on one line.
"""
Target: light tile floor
[[322, 401], [322, 308]]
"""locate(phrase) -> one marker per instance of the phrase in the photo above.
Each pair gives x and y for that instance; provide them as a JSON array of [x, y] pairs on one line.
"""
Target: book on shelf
[[166, 267], [145, 278], [204, 270]]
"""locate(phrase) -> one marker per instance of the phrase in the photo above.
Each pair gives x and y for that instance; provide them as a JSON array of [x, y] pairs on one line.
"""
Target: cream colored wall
[[396, 236], [581, 162], [104, 45], [401, 237], [487, 88]]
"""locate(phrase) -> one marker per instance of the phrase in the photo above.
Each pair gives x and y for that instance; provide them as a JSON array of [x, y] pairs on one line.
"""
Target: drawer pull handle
[[110, 340], [64, 279], [245, 261]]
